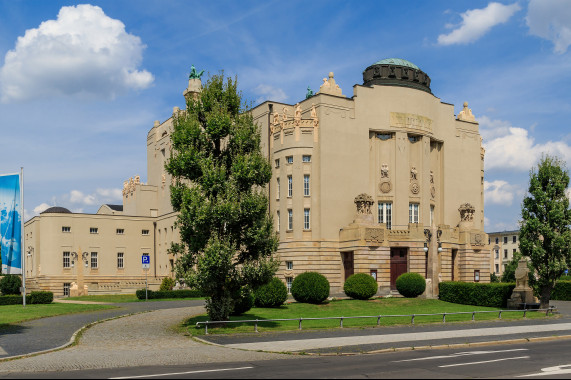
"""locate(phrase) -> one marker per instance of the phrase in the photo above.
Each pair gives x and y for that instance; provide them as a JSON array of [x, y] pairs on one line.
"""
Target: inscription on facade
[[410, 121]]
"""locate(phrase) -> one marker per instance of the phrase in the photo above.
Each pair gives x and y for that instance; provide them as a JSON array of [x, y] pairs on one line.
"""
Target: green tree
[[227, 234], [545, 235], [509, 271]]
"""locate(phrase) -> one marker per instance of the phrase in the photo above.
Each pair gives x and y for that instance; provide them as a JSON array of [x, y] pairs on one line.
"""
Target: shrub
[[10, 300], [360, 286], [10, 284], [473, 293], [37, 298], [310, 287], [565, 278], [167, 284], [561, 291], [243, 302], [183, 293], [494, 278], [273, 294], [411, 284]]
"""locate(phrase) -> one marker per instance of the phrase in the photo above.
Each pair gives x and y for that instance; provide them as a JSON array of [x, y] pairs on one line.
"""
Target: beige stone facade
[[383, 182], [503, 245]]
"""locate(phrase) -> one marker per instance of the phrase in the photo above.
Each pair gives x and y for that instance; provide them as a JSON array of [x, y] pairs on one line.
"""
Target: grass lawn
[[347, 308], [18, 313], [119, 298]]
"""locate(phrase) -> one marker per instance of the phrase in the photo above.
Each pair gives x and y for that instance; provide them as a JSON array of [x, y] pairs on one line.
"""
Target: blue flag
[[10, 224]]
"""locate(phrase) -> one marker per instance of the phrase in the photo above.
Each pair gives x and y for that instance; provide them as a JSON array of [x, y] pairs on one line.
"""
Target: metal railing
[[411, 316]]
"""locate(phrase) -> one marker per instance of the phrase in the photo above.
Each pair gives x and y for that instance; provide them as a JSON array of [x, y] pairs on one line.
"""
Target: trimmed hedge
[[272, 294], [34, 298], [561, 291], [310, 287], [477, 294], [360, 286], [182, 293], [411, 284], [10, 284]]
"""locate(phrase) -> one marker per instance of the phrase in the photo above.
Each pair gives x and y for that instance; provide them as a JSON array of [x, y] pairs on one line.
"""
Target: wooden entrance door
[[348, 264], [399, 264]]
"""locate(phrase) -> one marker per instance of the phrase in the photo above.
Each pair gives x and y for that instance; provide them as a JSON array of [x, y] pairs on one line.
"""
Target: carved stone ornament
[[364, 202], [374, 235], [330, 87], [466, 114], [467, 212], [432, 192], [385, 171], [297, 115], [125, 187], [385, 186], [413, 173], [415, 188], [284, 115]]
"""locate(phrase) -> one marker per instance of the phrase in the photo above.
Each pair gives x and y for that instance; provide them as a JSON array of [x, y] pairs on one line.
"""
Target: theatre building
[[383, 182]]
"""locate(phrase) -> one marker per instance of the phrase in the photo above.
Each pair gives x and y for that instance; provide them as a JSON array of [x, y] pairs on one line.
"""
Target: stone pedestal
[[522, 293]]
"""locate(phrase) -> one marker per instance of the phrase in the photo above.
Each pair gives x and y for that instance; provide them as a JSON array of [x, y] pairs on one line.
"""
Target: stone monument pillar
[[522, 293]]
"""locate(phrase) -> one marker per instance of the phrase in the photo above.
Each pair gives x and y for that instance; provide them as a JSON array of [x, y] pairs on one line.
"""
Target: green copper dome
[[398, 62]]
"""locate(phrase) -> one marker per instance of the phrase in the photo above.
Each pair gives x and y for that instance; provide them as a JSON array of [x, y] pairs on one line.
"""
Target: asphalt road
[[544, 359]]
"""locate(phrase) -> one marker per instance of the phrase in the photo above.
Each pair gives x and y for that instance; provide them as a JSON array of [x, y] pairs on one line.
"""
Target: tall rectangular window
[[289, 265], [306, 185], [94, 260], [306, 218], [66, 260], [120, 260], [514, 239], [278, 216], [497, 253], [289, 159], [290, 219], [413, 213], [278, 189], [289, 186], [505, 240], [505, 253], [289, 281], [386, 213], [66, 286], [277, 163]]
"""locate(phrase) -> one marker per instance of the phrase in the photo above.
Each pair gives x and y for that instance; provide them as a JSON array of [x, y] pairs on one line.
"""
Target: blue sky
[[82, 83]]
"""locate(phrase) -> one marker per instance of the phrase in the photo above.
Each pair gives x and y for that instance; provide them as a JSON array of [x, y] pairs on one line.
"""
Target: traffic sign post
[[146, 261]]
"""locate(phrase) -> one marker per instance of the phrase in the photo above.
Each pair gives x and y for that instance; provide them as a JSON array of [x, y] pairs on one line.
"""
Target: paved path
[[144, 339], [48, 333]]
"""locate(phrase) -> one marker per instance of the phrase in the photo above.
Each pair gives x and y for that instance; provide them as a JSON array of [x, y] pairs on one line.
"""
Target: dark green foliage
[[182, 293], [10, 284], [477, 294], [34, 298], [360, 286], [561, 291], [227, 234], [494, 278], [167, 284], [310, 287], [273, 294], [565, 278], [243, 302], [411, 284], [545, 235]]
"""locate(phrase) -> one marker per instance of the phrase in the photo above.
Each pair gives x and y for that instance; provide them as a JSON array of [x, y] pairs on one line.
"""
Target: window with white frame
[[120, 260], [386, 214], [289, 186], [497, 268], [93, 230], [505, 240], [290, 219], [67, 259], [277, 161], [120, 231], [514, 239], [497, 253], [66, 229], [505, 253], [66, 286], [94, 262], [289, 159], [306, 218], [306, 158], [306, 185], [413, 213], [289, 265], [289, 281], [278, 189]]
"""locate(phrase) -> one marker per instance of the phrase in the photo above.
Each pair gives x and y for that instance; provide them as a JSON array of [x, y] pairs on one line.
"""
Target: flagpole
[[22, 243]]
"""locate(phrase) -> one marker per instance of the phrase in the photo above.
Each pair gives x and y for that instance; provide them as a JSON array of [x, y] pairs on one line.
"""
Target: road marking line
[[182, 373], [482, 362], [550, 371], [458, 354]]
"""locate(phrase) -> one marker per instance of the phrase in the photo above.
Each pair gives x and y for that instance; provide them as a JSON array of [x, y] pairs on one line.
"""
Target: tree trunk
[[545, 297]]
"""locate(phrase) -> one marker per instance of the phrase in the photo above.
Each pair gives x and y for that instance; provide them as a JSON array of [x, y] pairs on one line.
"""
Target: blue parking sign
[[146, 261]]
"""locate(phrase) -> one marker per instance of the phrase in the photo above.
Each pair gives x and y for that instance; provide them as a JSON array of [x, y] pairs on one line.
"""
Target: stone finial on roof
[[330, 87], [466, 114]]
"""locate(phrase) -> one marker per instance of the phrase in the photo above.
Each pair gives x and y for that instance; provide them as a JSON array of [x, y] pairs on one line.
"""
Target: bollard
[[547, 312], [412, 319], [443, 317], [341, 322], [256, 325], [300, 323], [379, 320], [206, 328], [473, 315], [500, 315], [524, 312]]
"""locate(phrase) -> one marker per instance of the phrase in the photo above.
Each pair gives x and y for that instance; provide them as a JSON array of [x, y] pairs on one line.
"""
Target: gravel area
[[137, 340]]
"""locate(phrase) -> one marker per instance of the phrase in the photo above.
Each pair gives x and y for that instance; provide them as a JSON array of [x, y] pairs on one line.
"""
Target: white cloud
[[100, 196], [551, 20], [84, 52], [40, 208], [499, 192], [477, 22], [268, 92], [513, 148]]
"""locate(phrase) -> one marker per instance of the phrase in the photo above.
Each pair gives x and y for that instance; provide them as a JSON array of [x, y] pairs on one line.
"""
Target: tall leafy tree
[[227, 235], [545, 235]]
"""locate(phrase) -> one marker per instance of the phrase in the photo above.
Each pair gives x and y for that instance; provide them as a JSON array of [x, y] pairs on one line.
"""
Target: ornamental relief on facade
[[432, 186], [374, 235], [414, 185], [385, 185]]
